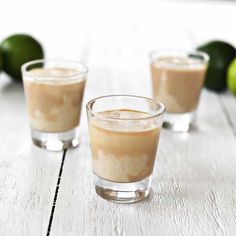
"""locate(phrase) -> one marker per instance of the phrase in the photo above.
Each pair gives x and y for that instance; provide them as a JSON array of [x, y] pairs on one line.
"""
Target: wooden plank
[[28, 175], [194, 180]]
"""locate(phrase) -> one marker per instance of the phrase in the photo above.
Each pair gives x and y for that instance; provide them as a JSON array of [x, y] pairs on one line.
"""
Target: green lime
[[221, 54], [18, 49], [231, 77]]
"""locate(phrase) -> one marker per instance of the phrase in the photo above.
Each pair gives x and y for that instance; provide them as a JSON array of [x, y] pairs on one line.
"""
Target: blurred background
[[114, 37], [66, 28]]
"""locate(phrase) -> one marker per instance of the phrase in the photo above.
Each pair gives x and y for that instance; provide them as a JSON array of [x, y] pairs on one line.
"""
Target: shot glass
[[54, 94], [177, 80], [124, 134]]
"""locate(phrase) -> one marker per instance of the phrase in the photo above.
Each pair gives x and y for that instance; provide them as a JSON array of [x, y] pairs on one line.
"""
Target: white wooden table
[[194, 184]]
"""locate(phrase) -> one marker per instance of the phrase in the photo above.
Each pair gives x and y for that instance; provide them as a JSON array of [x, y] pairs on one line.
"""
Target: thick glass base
[[122, 192], [55, 141], [179, 122]]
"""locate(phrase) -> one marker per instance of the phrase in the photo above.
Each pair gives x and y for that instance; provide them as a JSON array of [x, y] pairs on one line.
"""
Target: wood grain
[[228, 103], [28, 175]]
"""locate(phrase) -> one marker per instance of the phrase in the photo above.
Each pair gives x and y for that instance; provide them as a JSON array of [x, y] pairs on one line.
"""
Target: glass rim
[[34, 62], [161, 110], [205, 56]]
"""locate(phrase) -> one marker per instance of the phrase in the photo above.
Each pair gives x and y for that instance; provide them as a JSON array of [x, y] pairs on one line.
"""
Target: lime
[[18, 49], [221, 54], [231, 77]]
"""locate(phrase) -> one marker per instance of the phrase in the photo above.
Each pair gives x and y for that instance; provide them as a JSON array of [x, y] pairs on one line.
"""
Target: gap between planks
[[227, 116], [56, 193], [229, 121], [84, 60]]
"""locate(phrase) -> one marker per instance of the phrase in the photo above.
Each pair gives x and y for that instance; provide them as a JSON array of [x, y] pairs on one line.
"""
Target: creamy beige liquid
[[177, 83], [54, 103], [123, 152]]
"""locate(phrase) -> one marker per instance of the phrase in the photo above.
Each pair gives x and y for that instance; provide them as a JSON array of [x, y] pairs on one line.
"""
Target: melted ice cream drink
[[54, 94], [177, 79], [124, 143]]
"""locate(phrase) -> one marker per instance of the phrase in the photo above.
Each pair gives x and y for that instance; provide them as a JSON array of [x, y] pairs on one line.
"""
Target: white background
[[63, 26]]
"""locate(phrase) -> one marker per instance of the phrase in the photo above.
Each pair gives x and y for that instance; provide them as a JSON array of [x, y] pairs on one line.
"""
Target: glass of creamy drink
[[54, 94], [177, 80], [124, 134]]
